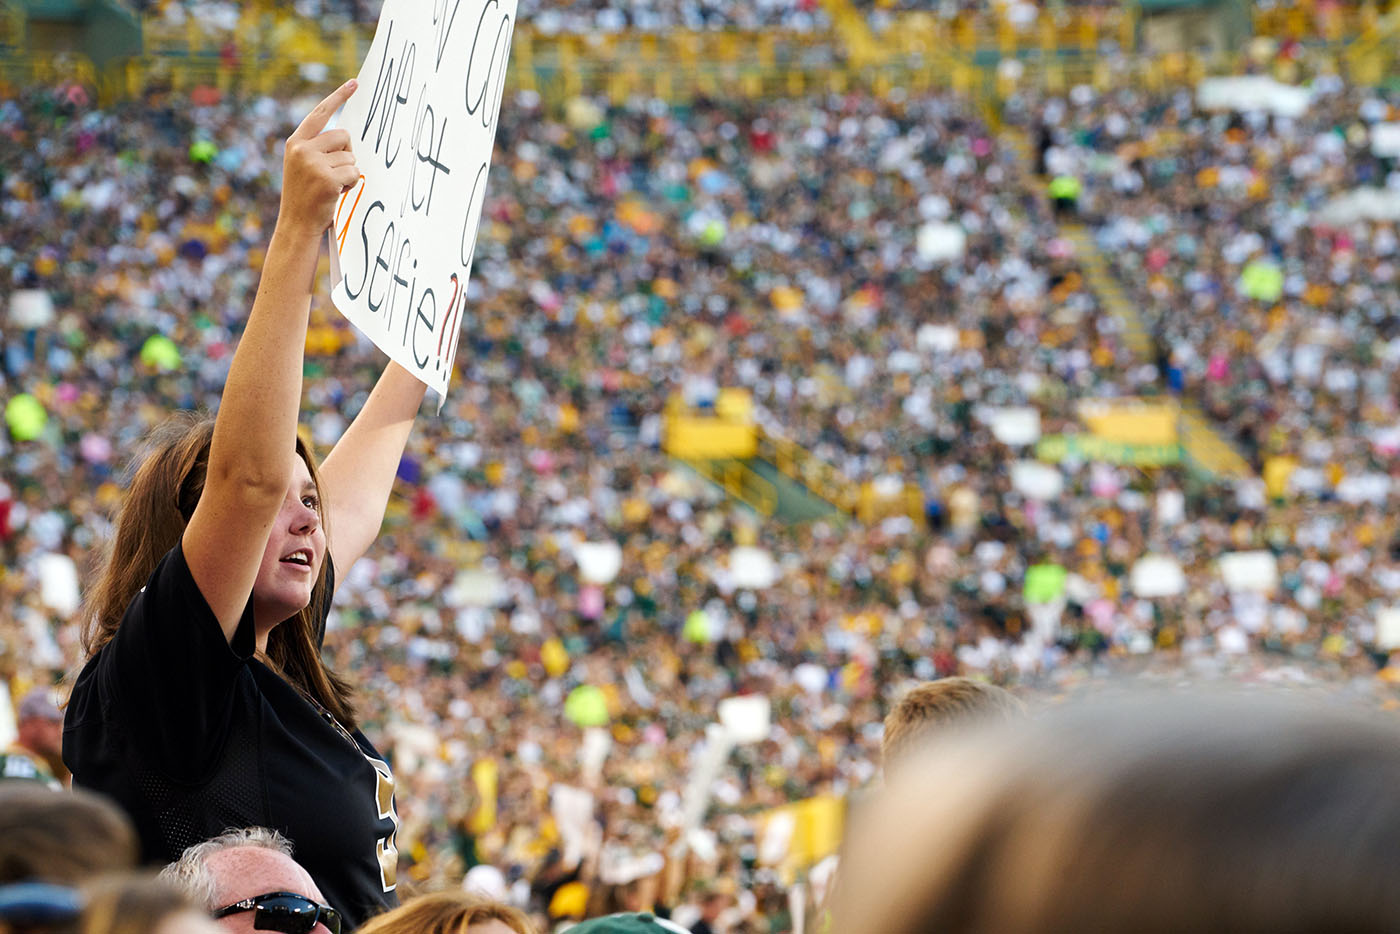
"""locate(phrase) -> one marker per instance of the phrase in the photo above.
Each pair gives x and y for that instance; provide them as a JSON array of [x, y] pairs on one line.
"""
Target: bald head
[[247, 871]]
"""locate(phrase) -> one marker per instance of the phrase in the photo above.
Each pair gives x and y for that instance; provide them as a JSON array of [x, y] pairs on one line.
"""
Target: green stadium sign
[[1057, 448]]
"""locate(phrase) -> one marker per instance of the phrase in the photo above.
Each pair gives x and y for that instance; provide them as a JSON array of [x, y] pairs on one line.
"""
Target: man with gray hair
[[248, 880]]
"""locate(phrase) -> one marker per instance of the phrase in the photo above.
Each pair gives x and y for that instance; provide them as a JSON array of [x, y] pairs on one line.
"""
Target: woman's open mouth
[[300, 558]]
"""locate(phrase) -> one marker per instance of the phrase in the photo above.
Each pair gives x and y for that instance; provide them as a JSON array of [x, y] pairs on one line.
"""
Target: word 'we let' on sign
[[422, 124]]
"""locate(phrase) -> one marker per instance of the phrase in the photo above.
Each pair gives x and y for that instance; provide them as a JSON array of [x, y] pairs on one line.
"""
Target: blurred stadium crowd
[[631, 253], [582, 17], [594, 16]]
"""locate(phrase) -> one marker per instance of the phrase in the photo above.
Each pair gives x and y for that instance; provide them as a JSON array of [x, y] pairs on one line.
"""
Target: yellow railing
[[11, 26], [1065, 27], [258, 28], [1205, 449], [741, 482], [875, 504], [1308, 20], [812, 472], [134, 76], [1154, 73], [259, 34], [1083, 29], [1374, 54], [850, 24], [267, 51], [559, 80], [18, 71], [676, 66]]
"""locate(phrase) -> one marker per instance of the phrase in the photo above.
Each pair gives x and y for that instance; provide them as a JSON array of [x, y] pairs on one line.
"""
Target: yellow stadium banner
[[797, 836], [1131, 421], [486, 776], [726, 431]]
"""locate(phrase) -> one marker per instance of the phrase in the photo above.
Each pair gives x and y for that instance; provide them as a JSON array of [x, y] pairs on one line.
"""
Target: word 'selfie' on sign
[[422, 125]]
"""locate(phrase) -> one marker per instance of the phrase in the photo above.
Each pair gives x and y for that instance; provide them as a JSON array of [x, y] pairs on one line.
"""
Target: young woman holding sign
[[204, 703]]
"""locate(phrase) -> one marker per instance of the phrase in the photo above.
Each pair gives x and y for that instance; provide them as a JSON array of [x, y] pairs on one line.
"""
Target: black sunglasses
[[286, 912]]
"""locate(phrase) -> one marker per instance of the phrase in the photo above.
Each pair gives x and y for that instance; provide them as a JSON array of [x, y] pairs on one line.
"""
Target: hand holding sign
[[423, 125], [317, 167]]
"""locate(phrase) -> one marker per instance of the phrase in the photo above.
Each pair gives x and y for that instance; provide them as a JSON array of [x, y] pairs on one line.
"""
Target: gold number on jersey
[[386, 849]]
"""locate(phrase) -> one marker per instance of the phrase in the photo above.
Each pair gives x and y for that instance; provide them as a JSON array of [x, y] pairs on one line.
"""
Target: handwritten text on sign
[[421, 123]]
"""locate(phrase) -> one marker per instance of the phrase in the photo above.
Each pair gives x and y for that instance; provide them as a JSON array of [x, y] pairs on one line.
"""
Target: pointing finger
[[315, 121]]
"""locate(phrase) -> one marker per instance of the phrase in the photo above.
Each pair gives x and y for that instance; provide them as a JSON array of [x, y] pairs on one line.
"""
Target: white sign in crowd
[[422, 124]]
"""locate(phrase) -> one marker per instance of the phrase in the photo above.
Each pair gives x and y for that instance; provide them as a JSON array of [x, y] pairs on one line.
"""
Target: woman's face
[[295, 549]]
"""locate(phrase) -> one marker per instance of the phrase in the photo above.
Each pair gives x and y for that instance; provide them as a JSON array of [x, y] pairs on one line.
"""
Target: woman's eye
[[309, 502]]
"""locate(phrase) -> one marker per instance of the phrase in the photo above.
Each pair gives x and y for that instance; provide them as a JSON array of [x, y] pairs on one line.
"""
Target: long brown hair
[[165, 488]]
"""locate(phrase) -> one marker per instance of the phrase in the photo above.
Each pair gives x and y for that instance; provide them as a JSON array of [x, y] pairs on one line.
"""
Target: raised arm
[[358, 474], [251, 456]]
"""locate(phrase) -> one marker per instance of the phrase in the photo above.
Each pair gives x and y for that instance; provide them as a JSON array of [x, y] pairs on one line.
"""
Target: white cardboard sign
[[422, 123], [1157, 576], [1385, 139], [1249, 571], [748, 718], [1388, 629]]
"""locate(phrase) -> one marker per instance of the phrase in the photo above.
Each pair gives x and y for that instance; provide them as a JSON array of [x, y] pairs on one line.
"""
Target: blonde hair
[[165, 488], [931, 706], [447, 913]]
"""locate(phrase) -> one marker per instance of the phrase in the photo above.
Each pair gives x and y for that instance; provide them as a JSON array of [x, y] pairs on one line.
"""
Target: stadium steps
[[739, 481], [796, 503], [812, 473], [1204, 449], [1201, 446], [765, 489], [1015, 139], [1110, 293], [784, 481]]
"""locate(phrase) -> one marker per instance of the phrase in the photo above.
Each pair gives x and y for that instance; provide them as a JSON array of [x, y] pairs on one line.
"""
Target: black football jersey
[[193, 736]]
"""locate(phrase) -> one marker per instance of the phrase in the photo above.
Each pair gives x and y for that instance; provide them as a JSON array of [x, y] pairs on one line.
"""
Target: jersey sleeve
[[169, 673]]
